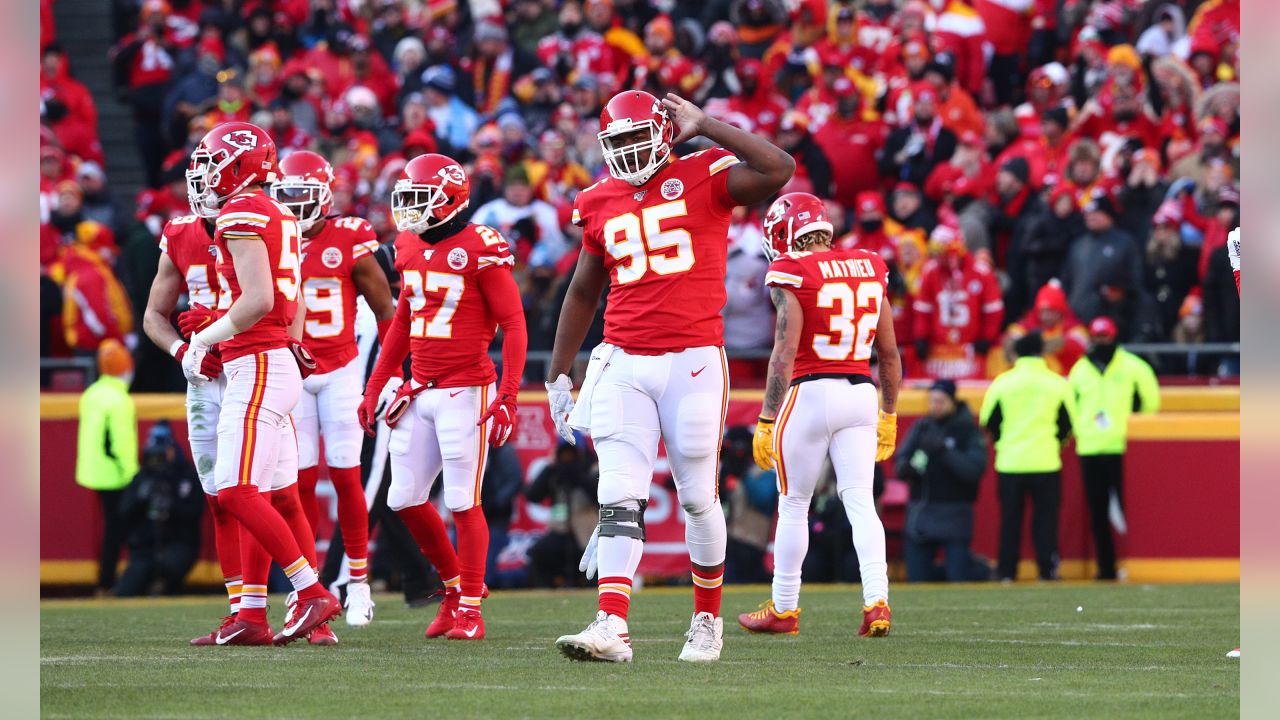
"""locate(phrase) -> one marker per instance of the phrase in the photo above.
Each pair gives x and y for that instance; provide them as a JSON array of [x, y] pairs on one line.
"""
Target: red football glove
[[211, 367], [502, 411], [306, 361], [196, 319], [368, 412]]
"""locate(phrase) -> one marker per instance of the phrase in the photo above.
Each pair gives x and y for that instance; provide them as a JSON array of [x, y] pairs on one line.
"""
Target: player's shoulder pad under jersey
[[715, 159], [359, 233], [583, 200], [174, 227], [405, 248], [247, 216], [786, 270], [490, 248]]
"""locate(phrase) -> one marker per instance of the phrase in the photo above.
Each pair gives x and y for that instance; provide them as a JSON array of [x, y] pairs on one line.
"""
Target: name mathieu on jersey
[[450, 323], [664, 245], [840, 292], [329, 292]]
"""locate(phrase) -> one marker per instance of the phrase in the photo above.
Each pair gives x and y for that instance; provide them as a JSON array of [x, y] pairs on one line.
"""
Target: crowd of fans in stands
[[1022, 164]]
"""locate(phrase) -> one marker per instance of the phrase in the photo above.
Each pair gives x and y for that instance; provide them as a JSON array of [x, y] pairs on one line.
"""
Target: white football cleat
[[705, 638], [1234, 654], [605, 640], [359, 604], [290, 605]]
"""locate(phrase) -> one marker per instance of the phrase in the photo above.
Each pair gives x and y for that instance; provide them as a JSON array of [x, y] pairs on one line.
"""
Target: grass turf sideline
[[955, 651]]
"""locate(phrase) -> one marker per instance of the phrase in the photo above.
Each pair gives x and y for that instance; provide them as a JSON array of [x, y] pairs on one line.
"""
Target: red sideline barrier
[[1182, 498]]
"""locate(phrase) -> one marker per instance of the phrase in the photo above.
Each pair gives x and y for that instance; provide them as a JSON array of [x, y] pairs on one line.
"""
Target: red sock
[[427, 528], [263, 523], [614, 595], [473, 551], [256, 563], [353, 517], [289, 505], [307, 479], [226, 538], [707, 586]]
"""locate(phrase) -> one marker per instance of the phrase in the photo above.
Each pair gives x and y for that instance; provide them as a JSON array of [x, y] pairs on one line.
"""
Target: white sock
[[618, 556], [790, 545], [868, 540], [705, 535]]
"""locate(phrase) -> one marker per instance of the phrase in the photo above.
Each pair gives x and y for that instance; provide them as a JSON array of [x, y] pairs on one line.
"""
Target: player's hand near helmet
[[686, 116], [560, 398], [886, 435]]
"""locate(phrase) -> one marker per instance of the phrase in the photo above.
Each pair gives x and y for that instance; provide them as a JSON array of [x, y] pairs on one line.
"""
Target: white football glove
[[386, 396], [588, 562], [1233, 249], [560, 398], [192, 361]]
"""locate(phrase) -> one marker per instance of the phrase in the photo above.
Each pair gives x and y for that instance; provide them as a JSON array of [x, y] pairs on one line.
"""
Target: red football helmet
[[305, 187], [630, 158], [230, 158], [791, 216], [430, 192]]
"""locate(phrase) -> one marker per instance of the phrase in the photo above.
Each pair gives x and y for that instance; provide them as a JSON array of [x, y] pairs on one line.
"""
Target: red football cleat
[[447, 615], [212, 638], [768, 620], [876, 620], [241, 632], [308, 614], [469, 625], [322, 635]]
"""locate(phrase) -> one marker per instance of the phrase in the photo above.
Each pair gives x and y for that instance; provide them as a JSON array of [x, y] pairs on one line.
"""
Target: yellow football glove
[[886, 435], [762, 443]]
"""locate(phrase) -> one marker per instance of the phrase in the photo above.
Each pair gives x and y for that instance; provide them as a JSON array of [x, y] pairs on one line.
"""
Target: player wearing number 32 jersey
[[456, 290], [656, 231], [820, 402]]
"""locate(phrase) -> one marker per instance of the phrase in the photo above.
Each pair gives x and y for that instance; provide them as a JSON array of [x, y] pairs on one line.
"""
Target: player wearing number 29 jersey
[[830, 313]]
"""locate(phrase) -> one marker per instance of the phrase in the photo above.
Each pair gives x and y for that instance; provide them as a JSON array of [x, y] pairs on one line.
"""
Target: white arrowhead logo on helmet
[[241, 139]]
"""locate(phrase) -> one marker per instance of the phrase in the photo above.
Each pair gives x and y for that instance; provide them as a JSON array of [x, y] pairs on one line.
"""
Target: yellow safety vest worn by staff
[[107, 445], [1029, 410], [1106, 399]]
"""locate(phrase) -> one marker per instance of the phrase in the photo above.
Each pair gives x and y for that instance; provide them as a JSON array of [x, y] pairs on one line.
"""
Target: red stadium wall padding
[[1182, 499]]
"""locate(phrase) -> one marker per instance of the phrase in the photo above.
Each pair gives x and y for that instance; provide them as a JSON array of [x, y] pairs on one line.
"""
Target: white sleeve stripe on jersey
[[576, 218], [722, 163], [164, 244], [993, 306], [236, 235], [781, 278], [920, 306], [243, 217], [364, 248], [488, 260]]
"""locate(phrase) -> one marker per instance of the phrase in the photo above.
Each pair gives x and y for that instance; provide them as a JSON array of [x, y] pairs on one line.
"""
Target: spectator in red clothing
[[1084, 172], [1008, 25], [1054, 144], [56, 83], [956, 108], [854, 142], [1065, 338], [1111, 125], [1047, 88], [264, 79], [842, 42], [902, 70], [912, 152], [143, 64], [870, 232], [959, 30], [286, 133], [95, 306], [812, 165], [967, 173], [958, 311], [1225, 218], [1210, 151], [757, 99]]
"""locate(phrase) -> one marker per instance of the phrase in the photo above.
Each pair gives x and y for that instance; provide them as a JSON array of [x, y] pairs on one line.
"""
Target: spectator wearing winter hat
[[1014, 205], [556, 179], [960, 31], [954, 344], [1102, 262], [1084, 172], [454, 120], [855, 141], [912, 152], [1047, 89], [1065, 338], [1211, 150], [966, 174], [757, 99], [491, 67], [1171, 266], [812, 163], [1143, 190], [956, 106], [908, 208]]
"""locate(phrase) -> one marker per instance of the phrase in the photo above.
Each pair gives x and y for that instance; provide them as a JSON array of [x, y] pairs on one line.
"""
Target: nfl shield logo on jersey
[[457, 258], [672, 189], [331, 257], [426, 254], [640, 195]]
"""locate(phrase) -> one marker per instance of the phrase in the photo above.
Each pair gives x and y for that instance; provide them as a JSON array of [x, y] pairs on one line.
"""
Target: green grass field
[[974, 651]]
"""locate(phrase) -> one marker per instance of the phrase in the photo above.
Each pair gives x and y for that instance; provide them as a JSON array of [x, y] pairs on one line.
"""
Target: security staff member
[[107, 448], [1109, 384], [1029, 412]]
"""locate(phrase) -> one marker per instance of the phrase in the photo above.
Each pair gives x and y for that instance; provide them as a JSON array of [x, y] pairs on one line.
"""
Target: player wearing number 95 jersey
[[656, 231], [337, 263], [258, 265], [819, 395], [456, 290]]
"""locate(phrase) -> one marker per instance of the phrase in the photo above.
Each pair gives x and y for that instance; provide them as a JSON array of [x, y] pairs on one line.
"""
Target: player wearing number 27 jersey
[[656, 230], [820, 397]]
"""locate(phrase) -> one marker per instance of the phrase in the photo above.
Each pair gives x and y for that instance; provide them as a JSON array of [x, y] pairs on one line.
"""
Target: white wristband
[[176, 346], [219, 330]]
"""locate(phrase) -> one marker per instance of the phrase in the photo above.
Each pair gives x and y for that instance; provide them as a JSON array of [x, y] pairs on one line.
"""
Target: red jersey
[[254, 216], [327, 262], [451, 323], [840, 292], [958, 307], [665, 246], [187, 242]]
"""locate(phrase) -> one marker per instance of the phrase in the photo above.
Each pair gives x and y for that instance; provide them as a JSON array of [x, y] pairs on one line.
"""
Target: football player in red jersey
[[829, 316], [958, 310], [337, 262], [258, 266], [656, 231], [456, 290]]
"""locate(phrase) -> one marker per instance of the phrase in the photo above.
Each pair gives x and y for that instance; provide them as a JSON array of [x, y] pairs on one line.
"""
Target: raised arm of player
[[579, 308], [502, 295], [786, 340], [395, 348], [765, 167], [372, 283], [890, 365]]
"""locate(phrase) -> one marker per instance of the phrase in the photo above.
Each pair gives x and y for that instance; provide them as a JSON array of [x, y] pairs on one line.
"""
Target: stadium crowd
[[1022, 164]]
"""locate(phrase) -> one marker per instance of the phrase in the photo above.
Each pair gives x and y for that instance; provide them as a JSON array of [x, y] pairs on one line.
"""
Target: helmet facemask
[[414, 205], [306, 198], [631, 154], [204, 202]]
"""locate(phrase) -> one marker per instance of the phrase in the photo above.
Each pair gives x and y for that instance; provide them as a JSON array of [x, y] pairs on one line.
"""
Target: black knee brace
[[612, 517]]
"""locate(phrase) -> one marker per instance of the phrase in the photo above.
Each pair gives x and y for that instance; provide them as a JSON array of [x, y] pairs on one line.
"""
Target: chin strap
[[443, 232]]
